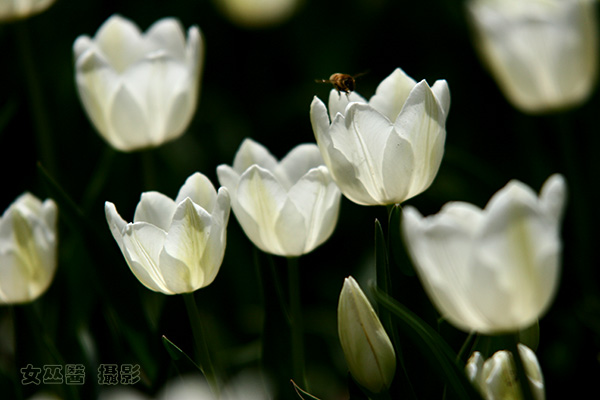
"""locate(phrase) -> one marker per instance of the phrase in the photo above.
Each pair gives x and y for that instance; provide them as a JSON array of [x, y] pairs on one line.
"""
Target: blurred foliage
[[259, 84]]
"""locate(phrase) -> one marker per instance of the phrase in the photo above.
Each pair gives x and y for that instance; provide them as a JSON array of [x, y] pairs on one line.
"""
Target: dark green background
[[259, 84]]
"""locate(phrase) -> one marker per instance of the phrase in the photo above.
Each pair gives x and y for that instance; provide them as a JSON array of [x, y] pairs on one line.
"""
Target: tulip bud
[[496, 378], [389, 149], [11, 10], [139, 90], [28, 242], [177, 246], [369, 352], [542, 53], [286, 208], [494, 270]]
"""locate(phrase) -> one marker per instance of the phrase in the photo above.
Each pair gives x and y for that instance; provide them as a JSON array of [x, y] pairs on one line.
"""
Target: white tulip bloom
[[496, 377], [177, 246], [389, 149], [139, 90], [28, 249], [258, 13], [18, 9], [368, 350], [542, 53], [494, 270], [286, 208]]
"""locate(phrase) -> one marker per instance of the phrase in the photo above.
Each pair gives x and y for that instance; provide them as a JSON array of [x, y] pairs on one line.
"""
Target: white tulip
[[542, 53], [494, 270], [286, 208], [28, 242], [496, 377], [389, 149], [176, 246], [18, 9], [139, 90], [368, 350], [258, 13]]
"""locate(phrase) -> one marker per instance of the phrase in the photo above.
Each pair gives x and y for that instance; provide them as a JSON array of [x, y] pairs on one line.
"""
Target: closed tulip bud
[[542, 53], [177, 246], [11, 10], [28, 242], [496, 377], [389, 149], [494, 270], [139, 90], [286, 208], [369, 352]]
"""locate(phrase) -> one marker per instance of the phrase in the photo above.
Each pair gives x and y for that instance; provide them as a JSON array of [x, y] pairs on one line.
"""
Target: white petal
[[298, 162], [338, 102], [155, 208], [442, 94], [186, 242], [142, 245], [422, 123], [128, 120], [441, 250], [250, 153], [391, 94], [167, 33], [261, 197], [115, 223], [120, 40], [200, 190], [553, 196]]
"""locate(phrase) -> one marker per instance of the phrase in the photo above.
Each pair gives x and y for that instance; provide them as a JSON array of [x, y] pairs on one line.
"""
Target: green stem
[[44, 140], [205, 360], [296, 322]]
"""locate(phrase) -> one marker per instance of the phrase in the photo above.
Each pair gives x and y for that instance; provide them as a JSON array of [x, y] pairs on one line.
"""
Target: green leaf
[[435, 350], [176, 353]]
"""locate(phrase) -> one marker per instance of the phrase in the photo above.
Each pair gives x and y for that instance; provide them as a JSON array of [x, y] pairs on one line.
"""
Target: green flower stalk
[[368, 350]]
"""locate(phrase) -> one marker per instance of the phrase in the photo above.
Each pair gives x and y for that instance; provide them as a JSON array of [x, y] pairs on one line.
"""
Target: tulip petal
[[142, 245], [116, 224], [262, 198], [296, 163], [518, 255], [216, 241], [129, 122], [440, 247], [167, 33], [391, 94], [343, 169], [338, 102], [317, 199], [155, 208], [250, 153], [186, 242], [442, 94], [200, 190], [120, 40], [553, 196], [365, 146], [422, 122]]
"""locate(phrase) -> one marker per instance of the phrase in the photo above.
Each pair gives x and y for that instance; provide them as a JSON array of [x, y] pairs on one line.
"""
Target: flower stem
[[296, 321], [205, 360]]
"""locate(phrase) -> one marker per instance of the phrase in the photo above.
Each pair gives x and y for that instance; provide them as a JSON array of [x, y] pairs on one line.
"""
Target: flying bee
[[341, 82]]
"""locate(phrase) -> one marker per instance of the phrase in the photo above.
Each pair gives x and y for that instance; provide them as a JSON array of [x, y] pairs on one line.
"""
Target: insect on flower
[[341, 82]]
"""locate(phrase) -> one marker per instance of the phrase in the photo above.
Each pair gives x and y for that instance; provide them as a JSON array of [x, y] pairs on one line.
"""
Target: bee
[[341, 82]]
